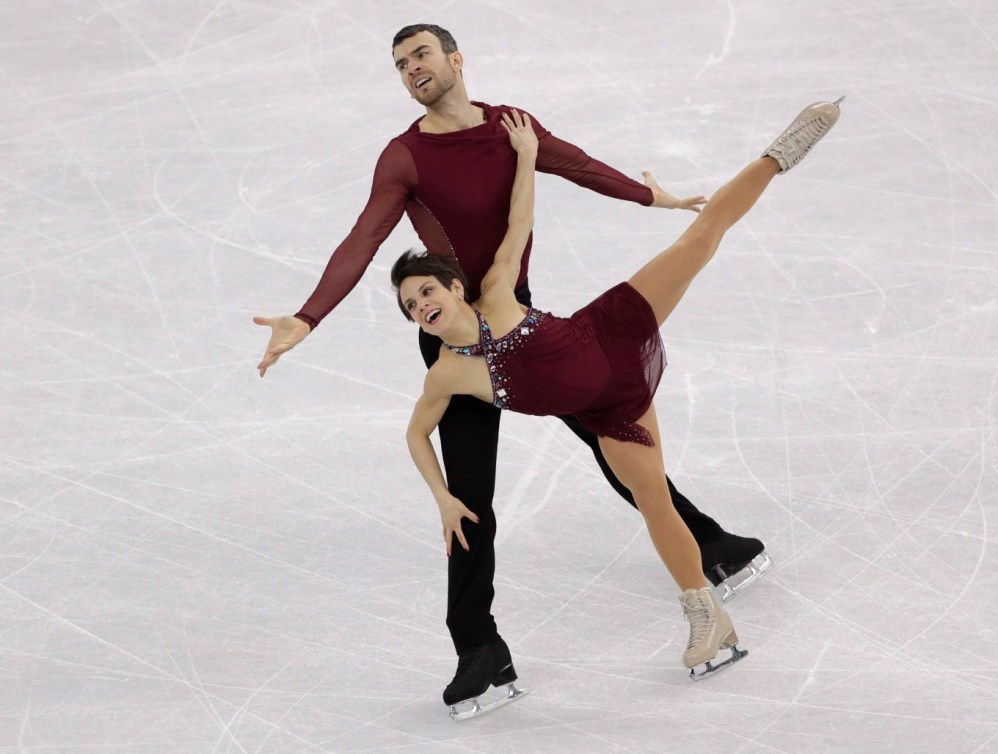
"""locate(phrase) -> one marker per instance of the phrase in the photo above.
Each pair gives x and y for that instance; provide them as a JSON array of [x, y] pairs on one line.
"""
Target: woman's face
[[430, 304]]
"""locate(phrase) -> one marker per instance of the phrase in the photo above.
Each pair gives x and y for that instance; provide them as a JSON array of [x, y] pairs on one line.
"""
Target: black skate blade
[[477, 708], [710, 668], [743, 579]]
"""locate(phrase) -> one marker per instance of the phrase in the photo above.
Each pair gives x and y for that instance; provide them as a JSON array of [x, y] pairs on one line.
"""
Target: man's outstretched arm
[[569, 161], [394, 179]]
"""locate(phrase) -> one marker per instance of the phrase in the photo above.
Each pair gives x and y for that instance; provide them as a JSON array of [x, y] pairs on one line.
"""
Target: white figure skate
[[813, 122], [711, 633]]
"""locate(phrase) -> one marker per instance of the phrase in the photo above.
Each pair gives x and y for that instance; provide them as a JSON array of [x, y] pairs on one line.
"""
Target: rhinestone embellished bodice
[[493, 349]]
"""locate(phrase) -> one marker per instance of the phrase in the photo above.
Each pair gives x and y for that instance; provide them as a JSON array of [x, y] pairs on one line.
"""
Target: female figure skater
[[603, 364]]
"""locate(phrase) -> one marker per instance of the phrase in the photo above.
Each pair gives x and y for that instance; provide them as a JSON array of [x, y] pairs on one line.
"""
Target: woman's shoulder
[[453, 374], [445, 370]]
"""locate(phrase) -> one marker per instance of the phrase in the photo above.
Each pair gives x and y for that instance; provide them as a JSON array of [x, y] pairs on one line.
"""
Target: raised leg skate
[[712, 645], [813, 122], [733, 563], [477, 669]]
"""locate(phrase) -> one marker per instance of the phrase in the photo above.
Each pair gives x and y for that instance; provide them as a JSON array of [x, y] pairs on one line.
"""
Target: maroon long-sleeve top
[[455, 188]]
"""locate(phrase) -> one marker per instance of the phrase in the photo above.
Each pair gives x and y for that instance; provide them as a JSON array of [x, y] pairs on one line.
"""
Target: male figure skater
[[451, 172]]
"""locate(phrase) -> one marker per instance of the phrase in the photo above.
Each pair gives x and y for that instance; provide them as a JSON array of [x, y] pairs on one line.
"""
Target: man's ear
[[457, 61]]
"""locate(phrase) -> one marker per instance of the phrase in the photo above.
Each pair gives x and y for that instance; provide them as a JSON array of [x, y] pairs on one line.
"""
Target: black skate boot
[[733, 563], [478, 668]]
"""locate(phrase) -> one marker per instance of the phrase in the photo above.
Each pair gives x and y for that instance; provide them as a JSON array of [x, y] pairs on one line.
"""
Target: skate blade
[[739, 582], [512, 694], [709, 668]]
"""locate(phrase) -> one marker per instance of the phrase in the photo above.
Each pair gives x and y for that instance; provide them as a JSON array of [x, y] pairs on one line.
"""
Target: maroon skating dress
[[603, 364]]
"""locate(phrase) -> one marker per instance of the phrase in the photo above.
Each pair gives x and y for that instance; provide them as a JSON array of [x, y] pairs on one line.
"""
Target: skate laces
[[803, 137], [700, 617]]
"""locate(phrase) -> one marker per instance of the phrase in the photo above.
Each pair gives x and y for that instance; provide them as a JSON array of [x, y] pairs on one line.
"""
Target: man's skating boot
[[478, 668], [813, 122], [711, 633], [734, 563]]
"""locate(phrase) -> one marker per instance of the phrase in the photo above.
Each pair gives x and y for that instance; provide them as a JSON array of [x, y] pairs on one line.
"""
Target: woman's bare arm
[[506, 266], [426, 416]]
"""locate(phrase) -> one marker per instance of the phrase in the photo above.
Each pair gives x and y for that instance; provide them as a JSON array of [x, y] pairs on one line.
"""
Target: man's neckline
[[479, 105]]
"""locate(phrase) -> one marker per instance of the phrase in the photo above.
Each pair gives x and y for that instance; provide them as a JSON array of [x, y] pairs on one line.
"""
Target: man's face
[[427, 73]]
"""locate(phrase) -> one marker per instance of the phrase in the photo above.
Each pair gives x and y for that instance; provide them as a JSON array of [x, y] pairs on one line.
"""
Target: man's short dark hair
[[447, 42], [422, 263]]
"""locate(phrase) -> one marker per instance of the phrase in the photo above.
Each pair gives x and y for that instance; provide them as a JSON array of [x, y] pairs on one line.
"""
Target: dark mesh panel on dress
[[626, 327]]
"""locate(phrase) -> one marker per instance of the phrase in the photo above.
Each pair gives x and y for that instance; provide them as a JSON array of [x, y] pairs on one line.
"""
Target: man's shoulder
[[498, 110], [493, 112]]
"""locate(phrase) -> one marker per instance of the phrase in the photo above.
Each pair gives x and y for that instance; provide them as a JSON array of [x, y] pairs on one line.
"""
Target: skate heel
[[732, 563], [729, 641], [505, 676], [732, 584]]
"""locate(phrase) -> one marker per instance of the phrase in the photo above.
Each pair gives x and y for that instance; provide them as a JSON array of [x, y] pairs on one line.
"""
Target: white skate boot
[[813, 122], [711, 632]]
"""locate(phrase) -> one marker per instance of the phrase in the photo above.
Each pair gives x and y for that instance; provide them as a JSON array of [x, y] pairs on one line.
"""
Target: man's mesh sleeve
[[394, 179], [568, 161]]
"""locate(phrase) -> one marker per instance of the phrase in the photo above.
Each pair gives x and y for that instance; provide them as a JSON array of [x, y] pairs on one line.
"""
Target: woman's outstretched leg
[[664, 280]]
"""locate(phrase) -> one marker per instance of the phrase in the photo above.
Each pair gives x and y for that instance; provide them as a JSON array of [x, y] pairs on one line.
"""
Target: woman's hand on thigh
[[452, 511]]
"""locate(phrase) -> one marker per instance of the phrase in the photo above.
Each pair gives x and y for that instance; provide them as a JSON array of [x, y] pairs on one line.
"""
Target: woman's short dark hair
[[447, 43], [412, 263]]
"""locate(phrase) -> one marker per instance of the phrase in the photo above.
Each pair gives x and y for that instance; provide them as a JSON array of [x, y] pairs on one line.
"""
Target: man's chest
[[472, 178]]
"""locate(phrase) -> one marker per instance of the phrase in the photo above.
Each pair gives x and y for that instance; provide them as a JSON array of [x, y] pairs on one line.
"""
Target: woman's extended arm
[[426, 416], [506, 265]]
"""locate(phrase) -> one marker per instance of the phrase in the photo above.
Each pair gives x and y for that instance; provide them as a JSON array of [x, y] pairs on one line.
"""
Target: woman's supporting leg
[[642, 471], [664, 279], [705, 530], [703, 527]]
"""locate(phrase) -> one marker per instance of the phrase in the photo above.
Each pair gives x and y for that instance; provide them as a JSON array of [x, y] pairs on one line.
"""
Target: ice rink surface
[[196, 560]]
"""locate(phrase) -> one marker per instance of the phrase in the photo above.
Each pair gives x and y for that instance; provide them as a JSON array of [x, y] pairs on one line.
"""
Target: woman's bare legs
[[664, 280], [642, 471]]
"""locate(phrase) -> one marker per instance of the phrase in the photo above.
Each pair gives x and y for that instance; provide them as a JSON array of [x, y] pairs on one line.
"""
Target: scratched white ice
[[196, 560]]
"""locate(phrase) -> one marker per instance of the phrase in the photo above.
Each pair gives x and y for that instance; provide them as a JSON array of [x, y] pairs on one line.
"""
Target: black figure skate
[[734, 563], [477, 669]]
